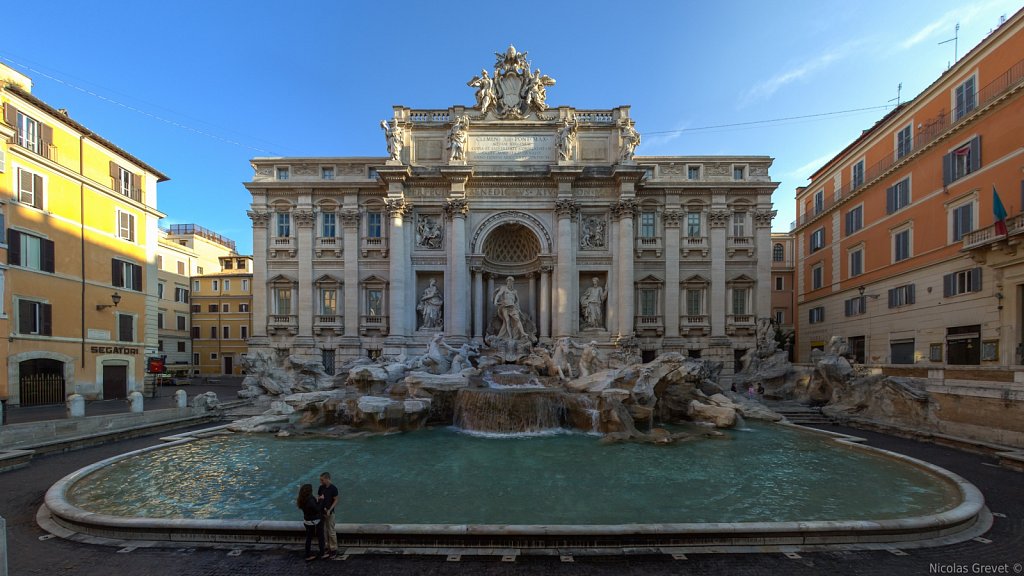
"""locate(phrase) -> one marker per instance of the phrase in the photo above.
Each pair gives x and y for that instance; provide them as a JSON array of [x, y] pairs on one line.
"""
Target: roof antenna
[[956, 44], [897, 98]]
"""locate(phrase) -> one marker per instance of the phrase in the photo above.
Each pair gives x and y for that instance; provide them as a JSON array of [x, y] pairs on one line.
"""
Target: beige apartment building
[[221, 316]]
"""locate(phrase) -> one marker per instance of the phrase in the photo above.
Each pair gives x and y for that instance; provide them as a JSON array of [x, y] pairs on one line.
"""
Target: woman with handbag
[[311, 519]]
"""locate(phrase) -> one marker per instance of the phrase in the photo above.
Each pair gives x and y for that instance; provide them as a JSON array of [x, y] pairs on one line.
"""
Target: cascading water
[[506, 411], [511, 377]]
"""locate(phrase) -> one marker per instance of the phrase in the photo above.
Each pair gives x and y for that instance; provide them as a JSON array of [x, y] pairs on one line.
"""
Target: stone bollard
[[181, 398], [135, 399], [76, 406]]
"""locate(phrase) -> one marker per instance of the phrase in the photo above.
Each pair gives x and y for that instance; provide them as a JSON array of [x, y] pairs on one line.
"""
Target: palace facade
[[374, 255]]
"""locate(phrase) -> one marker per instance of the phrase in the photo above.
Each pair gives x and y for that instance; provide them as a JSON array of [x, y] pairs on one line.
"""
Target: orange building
[[783, 274], [885, 229]]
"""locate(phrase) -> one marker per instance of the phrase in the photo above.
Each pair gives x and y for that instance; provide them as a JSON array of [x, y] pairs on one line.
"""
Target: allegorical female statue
[[592, 305], [429, 307]]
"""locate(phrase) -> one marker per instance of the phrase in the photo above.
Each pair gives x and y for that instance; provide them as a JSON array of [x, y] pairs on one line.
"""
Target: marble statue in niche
[[592, 305]]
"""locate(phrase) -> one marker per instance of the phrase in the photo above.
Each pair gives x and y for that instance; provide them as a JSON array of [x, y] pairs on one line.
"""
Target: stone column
[[457, 299], [623, 210], [672, 219], [488, 306], [565, 210], [763, 227], [478, 302], [305, 219], [399, 312], [545, 302], [531, 279], [350, 231], [260, 219], [718, 219]]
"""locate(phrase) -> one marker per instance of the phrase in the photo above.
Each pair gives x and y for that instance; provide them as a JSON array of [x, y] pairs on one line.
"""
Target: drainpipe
[[81, 225]]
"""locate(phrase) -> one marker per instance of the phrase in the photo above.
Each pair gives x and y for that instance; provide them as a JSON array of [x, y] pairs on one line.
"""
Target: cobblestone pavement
[[226, 388], [23, 492]]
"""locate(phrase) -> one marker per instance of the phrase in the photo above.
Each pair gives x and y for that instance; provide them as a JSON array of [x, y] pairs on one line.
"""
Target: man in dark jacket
[[327, 495]]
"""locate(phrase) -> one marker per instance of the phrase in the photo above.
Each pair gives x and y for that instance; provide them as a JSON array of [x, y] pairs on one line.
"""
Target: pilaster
[[260, 220], [671, 220], [565, 211]]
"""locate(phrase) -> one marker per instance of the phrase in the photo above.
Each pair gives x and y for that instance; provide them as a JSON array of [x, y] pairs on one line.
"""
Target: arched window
[[778, 253]]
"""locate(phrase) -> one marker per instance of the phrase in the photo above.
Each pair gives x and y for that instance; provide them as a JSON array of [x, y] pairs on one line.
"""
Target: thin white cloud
[[946, 23], [804, 172], [764, 90]]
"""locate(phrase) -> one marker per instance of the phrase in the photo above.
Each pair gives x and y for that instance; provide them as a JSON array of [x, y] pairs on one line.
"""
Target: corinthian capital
[[304, 218], [350, 218], [260, 218], [763, 218], [456, 207], [397, 207], [565, 208], [719, 218], [624, 208], [672, 217]]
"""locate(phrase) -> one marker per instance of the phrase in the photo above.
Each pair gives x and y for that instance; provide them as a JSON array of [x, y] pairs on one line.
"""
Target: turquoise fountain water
[[443, 476]]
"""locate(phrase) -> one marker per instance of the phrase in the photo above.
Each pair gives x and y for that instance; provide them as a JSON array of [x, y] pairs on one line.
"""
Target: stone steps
[[798, 414]]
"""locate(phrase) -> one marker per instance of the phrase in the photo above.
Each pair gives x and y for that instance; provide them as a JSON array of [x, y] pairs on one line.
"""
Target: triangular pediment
[[327, 279], [374, 279], [281, 279], [741, 279], [696, 279]]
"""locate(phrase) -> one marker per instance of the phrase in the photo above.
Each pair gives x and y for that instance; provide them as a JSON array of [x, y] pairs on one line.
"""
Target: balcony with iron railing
[[931, 130], [988, 235]]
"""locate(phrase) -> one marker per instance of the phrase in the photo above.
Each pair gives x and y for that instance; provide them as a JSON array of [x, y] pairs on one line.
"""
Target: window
[[159, 345], [227, 285], [328, 228], [857, 174], [126, 275], [283, 301], [817, 239], [243, 307], [328, 301], [29, 132], [816, 315], [213, 355], [245, 332], [195, 359], [225, 307], [856, 262], [213, 332], [195, 286], [35, 318], [856, 306], [901, 245], [213, 308], [963, 220], [964, 99], [282, 172], [739, 172], [197, 308], [739, 300], [199, 269], [904, 141], [160, 320], [693, 172], [962, 161], [215, 285], [125, 182], [693, 224], [181, 323], [245, 285], [817, 276], [819, 201], [159, 262], [373, 225], [226, 330], [375, 302], [901, 296], [29, 251], [228, 263], [778, 253], [195, 332], [181, 268], [160, 291], [240, 264], [125, 327], [180, 294], [284, 225], [780, 316], [30, 188], [739, 222], [648, 302], [897, 196], [694, 302], [780, 283], [126, 226], [647, 224], [962, 282], [854, 220], [327, 172], [181, 345]]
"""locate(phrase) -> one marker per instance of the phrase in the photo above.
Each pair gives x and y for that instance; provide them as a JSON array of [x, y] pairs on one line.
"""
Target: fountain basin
[[442, 488]]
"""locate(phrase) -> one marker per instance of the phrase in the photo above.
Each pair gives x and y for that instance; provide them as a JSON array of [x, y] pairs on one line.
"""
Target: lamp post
[[115, 298]]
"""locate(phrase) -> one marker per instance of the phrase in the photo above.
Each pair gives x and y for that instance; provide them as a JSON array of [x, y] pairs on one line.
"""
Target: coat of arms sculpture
[[513, 92]]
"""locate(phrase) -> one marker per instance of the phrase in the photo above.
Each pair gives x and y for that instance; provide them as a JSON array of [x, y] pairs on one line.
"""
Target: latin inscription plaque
[[540, 148]]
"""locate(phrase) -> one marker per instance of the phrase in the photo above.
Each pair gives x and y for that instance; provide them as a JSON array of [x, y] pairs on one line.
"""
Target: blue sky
[[196, 89]]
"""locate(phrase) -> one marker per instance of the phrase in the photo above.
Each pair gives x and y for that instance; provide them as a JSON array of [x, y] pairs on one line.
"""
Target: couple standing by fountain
[[318, 516]]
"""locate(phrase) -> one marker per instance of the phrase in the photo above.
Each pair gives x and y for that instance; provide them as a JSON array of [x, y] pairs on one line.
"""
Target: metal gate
[[40, 389]]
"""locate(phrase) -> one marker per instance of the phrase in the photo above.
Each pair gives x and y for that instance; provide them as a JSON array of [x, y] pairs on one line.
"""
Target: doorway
[[229, 365], [41, 382], [115, 382], [857, 348]]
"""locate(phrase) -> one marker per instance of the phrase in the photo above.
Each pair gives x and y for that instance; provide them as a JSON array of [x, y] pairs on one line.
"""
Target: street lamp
[[115, 298]]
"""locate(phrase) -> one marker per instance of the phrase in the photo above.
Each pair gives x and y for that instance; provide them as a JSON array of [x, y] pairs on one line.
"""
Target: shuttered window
[[30, 251], [854, 220], [962, 282], [901, 296], [966, 99], [125, 182], [816, 315], [897, 196], [125, 328], [856, 306], [963, 161], [30, 188], [126, 275], [963, 221], [126, 226], [35, 318]]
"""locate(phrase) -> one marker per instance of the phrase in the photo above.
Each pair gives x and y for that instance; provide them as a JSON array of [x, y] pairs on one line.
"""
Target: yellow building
[[221, 316], [80, 226], [184, 251]]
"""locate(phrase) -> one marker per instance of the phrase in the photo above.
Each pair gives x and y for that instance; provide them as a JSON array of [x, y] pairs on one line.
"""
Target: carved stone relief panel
[[593, 231]]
